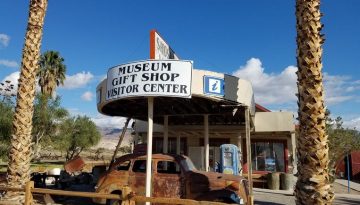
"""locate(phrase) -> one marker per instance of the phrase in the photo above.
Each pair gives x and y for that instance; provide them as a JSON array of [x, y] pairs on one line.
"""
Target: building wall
[[195, 141], [274, 122]]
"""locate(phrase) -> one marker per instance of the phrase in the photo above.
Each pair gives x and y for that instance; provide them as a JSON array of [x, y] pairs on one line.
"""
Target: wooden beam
[[248, 152]]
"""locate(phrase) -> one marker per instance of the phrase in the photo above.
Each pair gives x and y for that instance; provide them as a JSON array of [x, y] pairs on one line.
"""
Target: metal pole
[[166, 134], [294, 158], [149, 147], [348, 171], [206, 141], [178, 144], [121, 138], [239, 145]]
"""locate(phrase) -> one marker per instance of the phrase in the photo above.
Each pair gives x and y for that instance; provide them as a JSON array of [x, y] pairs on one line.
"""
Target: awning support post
[[293, 150], [248, 153], [206, 141], [178, 144], [239, 145], [149, 147], [166, 134]]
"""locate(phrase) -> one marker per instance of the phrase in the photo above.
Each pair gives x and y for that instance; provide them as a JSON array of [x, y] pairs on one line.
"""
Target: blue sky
[[254, 40]]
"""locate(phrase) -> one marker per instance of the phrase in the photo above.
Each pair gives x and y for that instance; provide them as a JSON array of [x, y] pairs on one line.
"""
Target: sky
[[253, 40]]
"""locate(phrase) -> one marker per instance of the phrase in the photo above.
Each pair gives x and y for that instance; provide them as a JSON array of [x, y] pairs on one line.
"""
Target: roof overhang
[[222, 109]]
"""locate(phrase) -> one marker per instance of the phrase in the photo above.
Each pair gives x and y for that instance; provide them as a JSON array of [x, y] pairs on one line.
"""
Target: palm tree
[[313, 186], [20, 148], [52, 72]]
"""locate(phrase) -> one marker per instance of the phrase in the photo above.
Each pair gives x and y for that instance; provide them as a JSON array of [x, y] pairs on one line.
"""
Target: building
[[213, 115]]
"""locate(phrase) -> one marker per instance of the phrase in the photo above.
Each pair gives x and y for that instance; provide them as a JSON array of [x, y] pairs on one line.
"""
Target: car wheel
[[113, 202]]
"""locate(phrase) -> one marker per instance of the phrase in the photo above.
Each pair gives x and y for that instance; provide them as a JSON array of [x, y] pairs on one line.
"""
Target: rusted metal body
[[74, 165], [173, 176]]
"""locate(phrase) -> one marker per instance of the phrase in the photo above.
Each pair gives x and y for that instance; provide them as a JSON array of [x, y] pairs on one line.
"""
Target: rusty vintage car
[[174, 176]]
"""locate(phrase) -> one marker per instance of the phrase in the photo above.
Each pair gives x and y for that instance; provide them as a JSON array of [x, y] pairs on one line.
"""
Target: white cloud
[[7, 63], [13, 78], [78, 80], [75, 112], [112, 122], [269, 88], [4, 40], [353, 123], [87, 96], [339, 89], [280, 88]]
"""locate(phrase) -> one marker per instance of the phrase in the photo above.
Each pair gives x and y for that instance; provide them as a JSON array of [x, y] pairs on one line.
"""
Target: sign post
[[159, 50], [149, 147]]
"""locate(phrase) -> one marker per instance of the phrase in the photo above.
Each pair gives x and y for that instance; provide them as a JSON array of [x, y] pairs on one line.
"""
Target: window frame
[[119, 163], [286, 152], [181, 171], [133, 164]]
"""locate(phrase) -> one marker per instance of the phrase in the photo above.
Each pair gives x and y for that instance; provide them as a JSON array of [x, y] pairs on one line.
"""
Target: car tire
[[113, 202]]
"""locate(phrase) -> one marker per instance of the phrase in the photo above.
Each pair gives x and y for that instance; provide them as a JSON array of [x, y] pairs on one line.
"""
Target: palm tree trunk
[[313, 186], [20, 150]]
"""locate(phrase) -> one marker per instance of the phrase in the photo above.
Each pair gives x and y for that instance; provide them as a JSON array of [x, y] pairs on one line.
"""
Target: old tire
[[113, 202]]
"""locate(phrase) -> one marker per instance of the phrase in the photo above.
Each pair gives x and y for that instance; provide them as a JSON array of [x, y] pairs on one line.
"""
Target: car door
[[137, 176], [120, 174], [167, 181]]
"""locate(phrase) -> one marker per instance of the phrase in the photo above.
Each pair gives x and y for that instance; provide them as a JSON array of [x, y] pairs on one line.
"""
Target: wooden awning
[[181, 111]]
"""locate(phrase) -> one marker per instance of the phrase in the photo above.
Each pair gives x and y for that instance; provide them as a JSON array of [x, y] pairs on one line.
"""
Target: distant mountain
[[110, 137], [114, 131]]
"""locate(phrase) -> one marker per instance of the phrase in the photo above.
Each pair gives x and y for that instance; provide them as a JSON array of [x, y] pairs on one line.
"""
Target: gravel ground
[[262, 197], [340, 189], [266, 197]]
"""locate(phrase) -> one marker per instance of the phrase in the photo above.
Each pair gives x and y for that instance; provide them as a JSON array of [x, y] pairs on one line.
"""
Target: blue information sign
[[213, 85]]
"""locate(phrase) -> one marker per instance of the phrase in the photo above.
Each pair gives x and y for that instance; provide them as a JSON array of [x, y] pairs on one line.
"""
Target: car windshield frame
[[187, 164]]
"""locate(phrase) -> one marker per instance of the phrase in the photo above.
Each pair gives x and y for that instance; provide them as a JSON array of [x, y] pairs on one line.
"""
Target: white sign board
[[159, 49], [170, 78]]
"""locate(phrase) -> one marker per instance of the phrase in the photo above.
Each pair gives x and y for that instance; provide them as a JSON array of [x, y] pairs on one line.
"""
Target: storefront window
[[268, 156]]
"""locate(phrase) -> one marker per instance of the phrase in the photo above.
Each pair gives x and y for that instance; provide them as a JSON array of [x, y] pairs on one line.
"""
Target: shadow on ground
[[346, 201]]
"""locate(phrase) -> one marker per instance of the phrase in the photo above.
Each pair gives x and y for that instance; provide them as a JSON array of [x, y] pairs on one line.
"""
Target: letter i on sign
[[214, 85]]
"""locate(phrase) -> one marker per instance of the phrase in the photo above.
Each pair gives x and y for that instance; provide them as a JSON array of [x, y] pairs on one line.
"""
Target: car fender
[[108, 189]]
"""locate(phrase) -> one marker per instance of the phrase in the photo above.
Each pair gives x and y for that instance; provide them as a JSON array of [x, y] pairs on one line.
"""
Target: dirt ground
[[340, 189], [264, 197], [261, 198]]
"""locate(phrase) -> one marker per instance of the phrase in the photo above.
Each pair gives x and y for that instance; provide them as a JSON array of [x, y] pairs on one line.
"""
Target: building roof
[[222, 109]]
